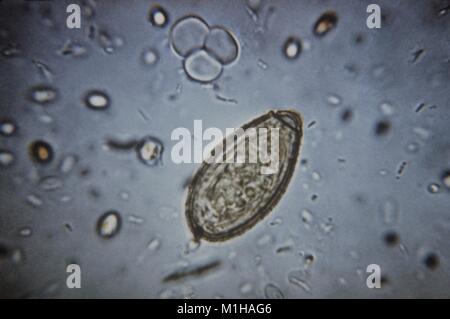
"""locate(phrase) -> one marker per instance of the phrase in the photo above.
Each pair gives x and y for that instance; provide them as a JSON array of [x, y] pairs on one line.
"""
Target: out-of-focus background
[[79, 106]]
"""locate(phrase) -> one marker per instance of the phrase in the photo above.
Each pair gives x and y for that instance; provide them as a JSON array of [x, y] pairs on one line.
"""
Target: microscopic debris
[[194, 271], [121, 145]]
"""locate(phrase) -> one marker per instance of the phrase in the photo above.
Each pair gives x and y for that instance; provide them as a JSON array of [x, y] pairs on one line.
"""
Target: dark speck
[[359, 38], [4, 251], [382, 128], [384, 280], [391, 238], [431, 261], [94, 193], [85, 172], [346, 115], [311, 124]]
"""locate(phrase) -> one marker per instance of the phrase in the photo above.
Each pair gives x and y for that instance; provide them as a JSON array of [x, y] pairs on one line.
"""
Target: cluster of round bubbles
[[204, 49]]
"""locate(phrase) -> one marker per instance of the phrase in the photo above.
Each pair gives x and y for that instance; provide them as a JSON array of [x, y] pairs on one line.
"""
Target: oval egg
[[226, 199]]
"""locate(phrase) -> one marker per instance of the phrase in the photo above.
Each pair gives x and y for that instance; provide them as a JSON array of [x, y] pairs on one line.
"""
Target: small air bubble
[[7, 127], [68, 163], [149, 56], [334, 99], [154, 244], [6, 158], [158, 16], [109, 224], [150, 151], [222, 45], [292, 48], [309, 259], [433, 188], [97, 100], [412, 147], [202, 67], [431, 261], [316, 176], [446, 178], [188, 34], [42, 94]]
